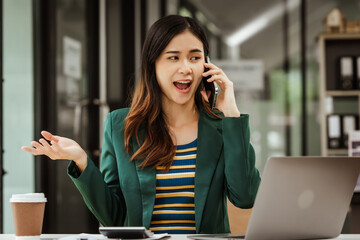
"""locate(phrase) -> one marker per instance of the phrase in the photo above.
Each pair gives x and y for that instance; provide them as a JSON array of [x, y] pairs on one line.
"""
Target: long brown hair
[[156, 145]]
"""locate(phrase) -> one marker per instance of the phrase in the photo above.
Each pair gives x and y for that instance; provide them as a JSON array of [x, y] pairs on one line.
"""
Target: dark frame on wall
[[44, 102], [303, 29], [2, 172], [120, 56], [45, 96]]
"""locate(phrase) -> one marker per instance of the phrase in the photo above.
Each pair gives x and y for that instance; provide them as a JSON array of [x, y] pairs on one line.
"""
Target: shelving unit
[[340, 93], [333, 46]]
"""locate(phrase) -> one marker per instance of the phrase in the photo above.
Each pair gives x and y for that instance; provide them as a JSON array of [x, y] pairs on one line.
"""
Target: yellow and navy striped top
[[174, 209]]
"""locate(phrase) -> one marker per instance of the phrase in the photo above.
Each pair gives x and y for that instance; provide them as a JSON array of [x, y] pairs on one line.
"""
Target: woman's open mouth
[[183, 86]]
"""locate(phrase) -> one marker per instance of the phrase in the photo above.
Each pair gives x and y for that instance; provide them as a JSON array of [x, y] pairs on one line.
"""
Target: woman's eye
[[195, 58], [173, 58]]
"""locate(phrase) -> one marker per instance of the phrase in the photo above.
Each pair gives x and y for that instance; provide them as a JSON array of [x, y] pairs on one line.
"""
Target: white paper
[[334, 126], [349, 124], [83, 236], [155, 236], [346, 66]]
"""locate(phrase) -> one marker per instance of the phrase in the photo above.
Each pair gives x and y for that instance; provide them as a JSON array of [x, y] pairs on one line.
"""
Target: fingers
[[226, 99], [36, 145], [219, 80], [212, 72], [48, 150], [48, 136], [33, 151], [210, 65], [55, 147], [217, 75], [45, 145], [42, 148]]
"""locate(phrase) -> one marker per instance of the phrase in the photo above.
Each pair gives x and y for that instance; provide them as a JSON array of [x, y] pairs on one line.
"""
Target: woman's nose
[[185, 67]]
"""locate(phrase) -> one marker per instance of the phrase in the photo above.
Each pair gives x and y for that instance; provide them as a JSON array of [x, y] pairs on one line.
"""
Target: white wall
[[17, 101]]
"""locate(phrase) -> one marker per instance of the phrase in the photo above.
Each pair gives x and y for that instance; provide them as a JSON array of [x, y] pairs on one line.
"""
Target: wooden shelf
[[341, 93], [332, 47], [339, 35], [337, 151]]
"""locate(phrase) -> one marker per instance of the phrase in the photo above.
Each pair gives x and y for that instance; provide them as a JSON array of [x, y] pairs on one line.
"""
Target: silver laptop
[[302, 198]]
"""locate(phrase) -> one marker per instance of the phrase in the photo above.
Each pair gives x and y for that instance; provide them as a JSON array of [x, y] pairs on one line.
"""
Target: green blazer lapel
[[147, 181], [208, 153]]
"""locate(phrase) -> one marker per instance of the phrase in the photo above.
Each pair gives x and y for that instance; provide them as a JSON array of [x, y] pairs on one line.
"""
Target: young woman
[[169, 161]]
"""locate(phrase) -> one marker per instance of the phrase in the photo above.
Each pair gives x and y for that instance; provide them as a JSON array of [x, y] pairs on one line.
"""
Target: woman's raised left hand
[[226, 99]]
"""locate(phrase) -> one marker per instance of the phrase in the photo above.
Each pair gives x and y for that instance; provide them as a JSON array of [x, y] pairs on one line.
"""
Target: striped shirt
[[174, 209]]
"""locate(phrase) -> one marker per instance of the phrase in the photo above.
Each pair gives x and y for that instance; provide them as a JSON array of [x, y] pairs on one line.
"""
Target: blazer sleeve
[[101, 190], [242, 179]]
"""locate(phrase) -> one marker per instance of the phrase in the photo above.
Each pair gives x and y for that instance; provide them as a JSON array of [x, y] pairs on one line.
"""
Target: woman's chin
[[184, 100]]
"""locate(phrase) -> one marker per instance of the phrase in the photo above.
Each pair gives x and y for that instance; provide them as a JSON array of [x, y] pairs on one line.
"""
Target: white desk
[[173, 237]]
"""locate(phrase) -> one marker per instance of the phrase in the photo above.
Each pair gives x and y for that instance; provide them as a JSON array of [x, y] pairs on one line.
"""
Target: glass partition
[[18, 116]]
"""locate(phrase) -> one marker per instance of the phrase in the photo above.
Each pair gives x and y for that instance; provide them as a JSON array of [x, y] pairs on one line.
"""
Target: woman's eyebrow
[[176, 52], [195, 50]]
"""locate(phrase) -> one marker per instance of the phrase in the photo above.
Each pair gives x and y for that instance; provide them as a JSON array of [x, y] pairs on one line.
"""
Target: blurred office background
[[66, 63]]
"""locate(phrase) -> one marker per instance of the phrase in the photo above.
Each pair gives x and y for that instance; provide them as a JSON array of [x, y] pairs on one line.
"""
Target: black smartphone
[[209, 86]]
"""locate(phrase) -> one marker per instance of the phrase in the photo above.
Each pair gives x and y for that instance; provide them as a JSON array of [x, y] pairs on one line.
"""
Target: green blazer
[[123, 194]]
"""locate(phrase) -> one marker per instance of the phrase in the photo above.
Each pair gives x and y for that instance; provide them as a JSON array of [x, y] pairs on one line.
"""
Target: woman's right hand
[[60, 148]]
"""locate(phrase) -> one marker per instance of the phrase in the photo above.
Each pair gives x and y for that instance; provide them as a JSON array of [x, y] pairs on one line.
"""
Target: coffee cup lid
[[27, 237], [28, 197]]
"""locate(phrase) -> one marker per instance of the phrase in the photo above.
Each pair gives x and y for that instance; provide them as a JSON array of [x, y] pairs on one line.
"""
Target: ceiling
[[229, 15], [268, 43]]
